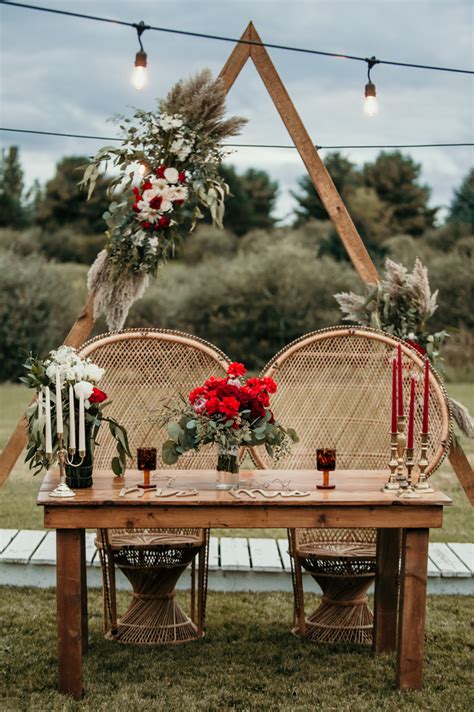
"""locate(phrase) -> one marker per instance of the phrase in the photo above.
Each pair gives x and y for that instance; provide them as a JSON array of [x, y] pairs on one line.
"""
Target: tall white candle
[[72, 420], [59, 404], [47, 408], [82, 425]]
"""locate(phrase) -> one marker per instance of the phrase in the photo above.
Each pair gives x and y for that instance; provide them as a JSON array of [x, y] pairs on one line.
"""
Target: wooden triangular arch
[[251, 48]]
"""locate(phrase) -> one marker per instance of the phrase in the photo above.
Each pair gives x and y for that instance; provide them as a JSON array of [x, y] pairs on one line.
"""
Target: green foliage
[[251, 200], [12, 211], [64, 203], [461, 209], [395, 178], [38, 304]]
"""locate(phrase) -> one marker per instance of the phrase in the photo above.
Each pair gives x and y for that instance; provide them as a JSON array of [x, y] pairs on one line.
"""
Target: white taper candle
[[72, 420], [47, 408], [39, 402], [59, 404], [82, 425]]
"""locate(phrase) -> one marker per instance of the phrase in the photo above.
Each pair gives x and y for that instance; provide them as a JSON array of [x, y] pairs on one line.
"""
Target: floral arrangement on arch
[[229, 412], [168, 169], [64, 372], [402, 304]]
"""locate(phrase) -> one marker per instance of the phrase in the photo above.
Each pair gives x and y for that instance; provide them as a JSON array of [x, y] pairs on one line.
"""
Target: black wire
[[235, 40], [245, 145]]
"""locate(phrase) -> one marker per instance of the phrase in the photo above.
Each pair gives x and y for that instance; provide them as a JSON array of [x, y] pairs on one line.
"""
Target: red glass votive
[[326, 462], [146, 461]]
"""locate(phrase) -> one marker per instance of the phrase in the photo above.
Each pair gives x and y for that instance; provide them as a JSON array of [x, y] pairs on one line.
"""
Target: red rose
[[155, 202], [229, 406], [178, 202], [257, 410], [416, 346], [136, 208], [136, 193], [214, 382], [164, 221], [147, 185], [146, 225], [264, 399], [182, 177], [236, 369], [97, 396], [160, 172], [197, 393], [212, 406], [269, 384]]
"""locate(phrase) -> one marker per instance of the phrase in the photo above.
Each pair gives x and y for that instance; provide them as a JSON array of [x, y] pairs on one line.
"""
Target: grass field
[[17, 497], [248, 661]]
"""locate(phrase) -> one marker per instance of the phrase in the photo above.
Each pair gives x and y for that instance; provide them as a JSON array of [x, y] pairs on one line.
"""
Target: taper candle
[[82, 424], [426, 397], [411, 415], [39, 402], [394, 397], [47, 408], [59, 404], [72, 420], [400, 380]]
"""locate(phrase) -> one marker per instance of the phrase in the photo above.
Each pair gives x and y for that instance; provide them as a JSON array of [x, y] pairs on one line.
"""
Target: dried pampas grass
[[114, 292]]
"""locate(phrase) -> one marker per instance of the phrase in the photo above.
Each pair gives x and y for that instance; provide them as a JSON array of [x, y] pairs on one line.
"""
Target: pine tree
[[12, 211]]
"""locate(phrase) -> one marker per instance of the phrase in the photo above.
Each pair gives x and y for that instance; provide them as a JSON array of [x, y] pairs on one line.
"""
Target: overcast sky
[[71, 75]]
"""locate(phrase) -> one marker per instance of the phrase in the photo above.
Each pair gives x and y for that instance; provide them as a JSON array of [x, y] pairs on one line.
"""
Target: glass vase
[[80, 476], [227, 471]]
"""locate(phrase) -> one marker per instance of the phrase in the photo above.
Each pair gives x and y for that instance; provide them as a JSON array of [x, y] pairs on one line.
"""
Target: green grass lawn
[[247, 661], [17, 497]]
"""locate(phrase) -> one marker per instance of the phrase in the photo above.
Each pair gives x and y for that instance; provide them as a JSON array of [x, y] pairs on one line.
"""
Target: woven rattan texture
[[334, 388], [144, 372]]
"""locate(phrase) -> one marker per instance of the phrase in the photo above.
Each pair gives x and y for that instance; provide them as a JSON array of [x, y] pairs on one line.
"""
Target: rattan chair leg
[[193, 590], [203, 563], [108, 583], [297, 578]]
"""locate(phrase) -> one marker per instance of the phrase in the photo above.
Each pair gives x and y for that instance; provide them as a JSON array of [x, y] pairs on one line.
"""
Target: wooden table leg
[[412, 608], [69, 610], [386, 590], [85, 616]]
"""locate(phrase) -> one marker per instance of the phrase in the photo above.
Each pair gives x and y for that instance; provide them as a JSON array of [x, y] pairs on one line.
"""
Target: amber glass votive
[[146, 461], [326, 463]]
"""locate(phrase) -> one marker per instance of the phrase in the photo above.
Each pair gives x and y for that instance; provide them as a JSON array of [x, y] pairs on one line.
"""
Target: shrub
[[38, 304]]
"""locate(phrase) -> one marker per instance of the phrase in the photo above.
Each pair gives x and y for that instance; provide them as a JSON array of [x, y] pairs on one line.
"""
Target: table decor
[[146, 461], [64, 421], [229, 412], [167, 169], [326, 463]]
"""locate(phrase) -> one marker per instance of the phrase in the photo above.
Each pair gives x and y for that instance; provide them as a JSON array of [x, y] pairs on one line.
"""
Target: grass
[[18, 509], [247, 661]]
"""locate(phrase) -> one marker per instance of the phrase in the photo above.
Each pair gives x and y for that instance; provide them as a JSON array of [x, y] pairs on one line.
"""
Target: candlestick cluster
[[402, 445], [44, 407]]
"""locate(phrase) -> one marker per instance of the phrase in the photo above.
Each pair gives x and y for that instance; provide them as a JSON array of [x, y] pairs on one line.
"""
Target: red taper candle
[[426, 397], [411, 414], [400, 380], [394, 397]]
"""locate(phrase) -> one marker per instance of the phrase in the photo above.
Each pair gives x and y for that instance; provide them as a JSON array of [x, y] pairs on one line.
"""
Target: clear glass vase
[[227, 471]]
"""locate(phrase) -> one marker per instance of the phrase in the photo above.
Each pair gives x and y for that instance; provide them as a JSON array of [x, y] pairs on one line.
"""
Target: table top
[[353, 488]]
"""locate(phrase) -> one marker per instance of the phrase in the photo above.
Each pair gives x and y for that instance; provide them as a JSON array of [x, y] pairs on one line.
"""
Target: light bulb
[[139, 74], [370, 102]]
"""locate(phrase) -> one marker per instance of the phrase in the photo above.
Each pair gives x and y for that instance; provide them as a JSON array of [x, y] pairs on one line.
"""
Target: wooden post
[[386, 590], [84, 606], [411, 621], [69, 617]]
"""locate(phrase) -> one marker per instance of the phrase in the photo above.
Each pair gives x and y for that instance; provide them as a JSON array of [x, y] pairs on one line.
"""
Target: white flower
[[51, 371], [166, 206], [165, 122], [180, 193], [159, 185], [70, 374], [139, 237], [93, 373], [153, 243], [79, 371], [176, 123], [184, 153], [171, 175], [83, 388], [177, 145]]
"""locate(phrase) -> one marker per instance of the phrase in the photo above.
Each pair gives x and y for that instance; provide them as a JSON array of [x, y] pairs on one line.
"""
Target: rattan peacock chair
[[144, 370], [334, 388]]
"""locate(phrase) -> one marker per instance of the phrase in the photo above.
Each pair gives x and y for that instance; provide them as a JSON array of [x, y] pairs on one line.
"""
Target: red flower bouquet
[[229, 412]]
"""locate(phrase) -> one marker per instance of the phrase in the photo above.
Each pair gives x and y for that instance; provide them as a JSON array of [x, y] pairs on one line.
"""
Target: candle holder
[[423, 485], [326, 463], [409, 491], [401, 445], [146, 461], [392, 485], [63, 490]]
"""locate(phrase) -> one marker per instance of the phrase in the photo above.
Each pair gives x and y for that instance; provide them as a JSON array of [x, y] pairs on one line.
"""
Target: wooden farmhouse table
[[357, 501]]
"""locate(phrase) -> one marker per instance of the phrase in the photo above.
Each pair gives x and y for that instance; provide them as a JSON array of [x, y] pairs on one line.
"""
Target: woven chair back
[[334, 388], [144, 371]]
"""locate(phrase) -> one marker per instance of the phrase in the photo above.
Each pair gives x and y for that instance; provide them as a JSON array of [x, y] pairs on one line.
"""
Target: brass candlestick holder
[[409, 491], [423, 485], [63, 489], [401, 445], [392, 485]]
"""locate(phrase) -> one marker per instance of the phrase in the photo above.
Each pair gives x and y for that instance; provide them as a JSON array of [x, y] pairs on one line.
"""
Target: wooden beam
[[238, 57], [463, 469], [318, 173]]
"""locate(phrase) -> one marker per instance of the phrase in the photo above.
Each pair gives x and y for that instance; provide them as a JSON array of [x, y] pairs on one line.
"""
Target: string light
[[139, 74], [370, 102]]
